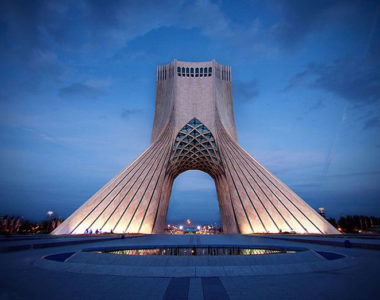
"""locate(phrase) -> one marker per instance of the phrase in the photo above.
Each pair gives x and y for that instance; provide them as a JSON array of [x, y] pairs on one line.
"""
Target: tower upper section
[[187, 90]]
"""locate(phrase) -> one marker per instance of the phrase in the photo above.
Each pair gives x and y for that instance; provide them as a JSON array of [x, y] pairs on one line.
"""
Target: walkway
[[310, 275]]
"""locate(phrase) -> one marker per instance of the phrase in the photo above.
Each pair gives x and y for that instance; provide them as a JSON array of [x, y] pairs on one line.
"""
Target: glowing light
[[181, 227]]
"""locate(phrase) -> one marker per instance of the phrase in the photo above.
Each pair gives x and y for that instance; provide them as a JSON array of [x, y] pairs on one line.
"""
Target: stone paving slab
[[354, 277], [10, 246], [355, 242]]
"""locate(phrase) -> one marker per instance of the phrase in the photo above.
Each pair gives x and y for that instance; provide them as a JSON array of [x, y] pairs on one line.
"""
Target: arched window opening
[[193, 198], [223, 73]]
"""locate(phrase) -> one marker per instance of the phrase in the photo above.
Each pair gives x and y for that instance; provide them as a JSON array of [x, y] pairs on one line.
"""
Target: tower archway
[[195, 148], [193, 197]]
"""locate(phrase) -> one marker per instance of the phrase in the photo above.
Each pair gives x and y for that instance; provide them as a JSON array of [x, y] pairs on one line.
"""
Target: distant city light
[[193, 229]]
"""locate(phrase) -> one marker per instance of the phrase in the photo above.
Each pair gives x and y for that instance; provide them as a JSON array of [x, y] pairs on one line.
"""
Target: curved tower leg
[[162, 209], [227, 212], [129, 201], [265, 204]]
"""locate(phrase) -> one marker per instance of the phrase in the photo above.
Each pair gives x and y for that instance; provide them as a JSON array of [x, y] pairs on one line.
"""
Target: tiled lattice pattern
[[195, 148]]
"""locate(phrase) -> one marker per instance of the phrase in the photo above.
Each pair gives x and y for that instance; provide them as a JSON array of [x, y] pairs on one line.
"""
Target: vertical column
[[226, 210], [163, 204]]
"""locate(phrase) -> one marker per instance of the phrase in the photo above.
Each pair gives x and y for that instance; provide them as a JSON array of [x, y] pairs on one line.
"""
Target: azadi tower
[[194, 128]]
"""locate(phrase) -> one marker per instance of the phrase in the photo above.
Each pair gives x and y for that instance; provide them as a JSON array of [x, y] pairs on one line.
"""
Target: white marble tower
[[194, 128]]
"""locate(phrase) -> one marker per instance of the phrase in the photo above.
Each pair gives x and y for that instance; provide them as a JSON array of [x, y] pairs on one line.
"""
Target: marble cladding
[[251, 199]]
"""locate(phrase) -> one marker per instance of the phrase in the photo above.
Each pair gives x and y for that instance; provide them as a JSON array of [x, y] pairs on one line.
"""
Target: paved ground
[[24, 274]]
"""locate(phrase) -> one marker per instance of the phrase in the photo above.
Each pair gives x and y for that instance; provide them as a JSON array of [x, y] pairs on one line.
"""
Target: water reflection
[[198, 251]]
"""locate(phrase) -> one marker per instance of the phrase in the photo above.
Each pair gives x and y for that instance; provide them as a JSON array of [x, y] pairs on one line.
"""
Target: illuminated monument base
[[194, 128]]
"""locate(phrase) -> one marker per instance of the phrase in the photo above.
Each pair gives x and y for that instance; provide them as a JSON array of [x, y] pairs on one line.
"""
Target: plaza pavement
[[26, 274]]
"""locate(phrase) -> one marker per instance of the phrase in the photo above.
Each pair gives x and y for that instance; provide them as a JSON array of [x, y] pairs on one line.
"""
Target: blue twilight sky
[[78, 92]]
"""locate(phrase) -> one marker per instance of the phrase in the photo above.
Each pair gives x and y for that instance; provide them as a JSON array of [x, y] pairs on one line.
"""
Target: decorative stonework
[[194, 128], [194, 148]]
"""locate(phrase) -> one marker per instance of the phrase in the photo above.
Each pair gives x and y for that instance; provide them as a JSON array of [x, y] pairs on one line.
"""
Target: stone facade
[[194, 128]]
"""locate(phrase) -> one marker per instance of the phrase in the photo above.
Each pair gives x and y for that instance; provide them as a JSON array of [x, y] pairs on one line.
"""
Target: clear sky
[[77, 96]]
